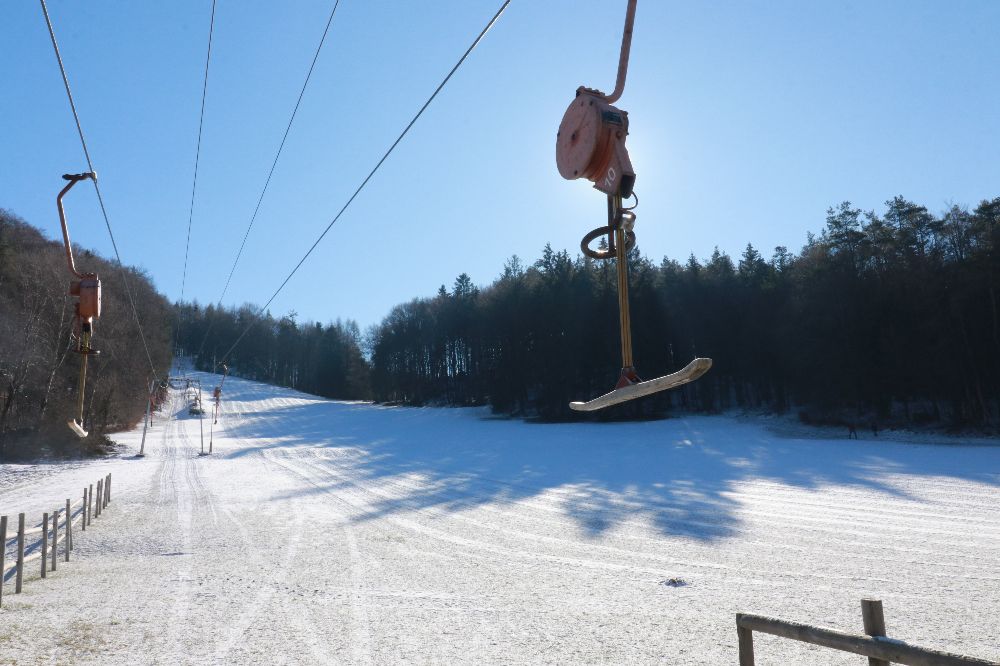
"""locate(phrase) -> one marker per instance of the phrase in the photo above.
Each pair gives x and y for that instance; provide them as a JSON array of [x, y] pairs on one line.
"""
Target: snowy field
[[322, 532]]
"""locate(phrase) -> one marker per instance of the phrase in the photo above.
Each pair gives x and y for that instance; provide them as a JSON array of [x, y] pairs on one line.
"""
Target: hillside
[[38, 369], [343, 532]]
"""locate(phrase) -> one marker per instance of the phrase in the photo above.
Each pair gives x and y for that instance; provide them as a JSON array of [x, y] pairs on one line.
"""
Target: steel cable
[[197, 152], [194, 181], [274, 165], [97, 188], [367, 178]]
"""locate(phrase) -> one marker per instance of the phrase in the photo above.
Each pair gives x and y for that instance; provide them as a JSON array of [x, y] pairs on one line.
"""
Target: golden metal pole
[[85, 348], [621, 259]]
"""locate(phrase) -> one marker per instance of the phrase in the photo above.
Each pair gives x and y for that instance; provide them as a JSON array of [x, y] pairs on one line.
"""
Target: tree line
[[38, 368], [325, 360], [890, 315]]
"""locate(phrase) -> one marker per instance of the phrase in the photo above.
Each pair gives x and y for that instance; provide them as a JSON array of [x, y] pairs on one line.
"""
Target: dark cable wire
[[369, 176], [194, 182], [197, 151], [100, 199], [274, 164]]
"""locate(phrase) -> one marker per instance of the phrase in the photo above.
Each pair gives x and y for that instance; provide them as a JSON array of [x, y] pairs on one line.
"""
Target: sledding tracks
[[325, 532]]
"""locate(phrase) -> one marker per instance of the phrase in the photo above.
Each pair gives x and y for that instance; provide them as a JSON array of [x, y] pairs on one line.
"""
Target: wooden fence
[[880, 650], [41, 542]]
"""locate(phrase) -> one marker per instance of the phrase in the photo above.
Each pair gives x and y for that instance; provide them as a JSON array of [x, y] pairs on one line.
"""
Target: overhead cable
[[274, 164], [367, 178], [97, 188], [197, 151]]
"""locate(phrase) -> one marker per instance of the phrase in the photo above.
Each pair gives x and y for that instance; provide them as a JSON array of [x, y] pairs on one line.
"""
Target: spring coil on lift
[[624, 218]]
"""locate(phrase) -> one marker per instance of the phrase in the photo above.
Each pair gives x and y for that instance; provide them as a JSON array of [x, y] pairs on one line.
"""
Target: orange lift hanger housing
[[87, 290], [590, 144]]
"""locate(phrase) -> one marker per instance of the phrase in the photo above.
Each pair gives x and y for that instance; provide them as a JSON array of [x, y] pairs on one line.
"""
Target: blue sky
[[748, 119]]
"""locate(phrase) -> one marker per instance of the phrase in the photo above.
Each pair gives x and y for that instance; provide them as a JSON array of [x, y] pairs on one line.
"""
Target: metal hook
[[73, 179], [623, 56]]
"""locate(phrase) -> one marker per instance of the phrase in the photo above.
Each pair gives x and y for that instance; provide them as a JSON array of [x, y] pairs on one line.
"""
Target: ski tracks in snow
[[323, 532]]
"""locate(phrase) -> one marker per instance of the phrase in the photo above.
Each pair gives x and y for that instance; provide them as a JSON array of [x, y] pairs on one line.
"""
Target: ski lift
[[591, 144], [217, 394], [87, 290]]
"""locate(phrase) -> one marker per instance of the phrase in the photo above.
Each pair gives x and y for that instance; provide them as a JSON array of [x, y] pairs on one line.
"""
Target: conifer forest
[[888, 315]]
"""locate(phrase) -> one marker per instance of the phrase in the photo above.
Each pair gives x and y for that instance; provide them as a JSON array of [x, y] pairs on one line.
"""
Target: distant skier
[[875, 427], [852, 431]]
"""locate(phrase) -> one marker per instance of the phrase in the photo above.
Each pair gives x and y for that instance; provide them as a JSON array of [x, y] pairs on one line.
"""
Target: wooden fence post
[[109, 488], [874, 621], [55, 538], [45, 542], [745, 638], [90, 498], [69, 530], [20, 553], [100, 494], [107, 491], [3, 551]]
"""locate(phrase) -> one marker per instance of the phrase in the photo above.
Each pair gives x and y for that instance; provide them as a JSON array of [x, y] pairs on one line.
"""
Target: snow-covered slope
[[324, 532]]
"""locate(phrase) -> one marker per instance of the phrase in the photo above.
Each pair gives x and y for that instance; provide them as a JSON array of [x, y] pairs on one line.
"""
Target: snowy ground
[[322, 532]]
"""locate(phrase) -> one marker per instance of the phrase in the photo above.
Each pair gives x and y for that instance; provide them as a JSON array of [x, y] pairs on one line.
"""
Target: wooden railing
[[880, 650], [45, 545]]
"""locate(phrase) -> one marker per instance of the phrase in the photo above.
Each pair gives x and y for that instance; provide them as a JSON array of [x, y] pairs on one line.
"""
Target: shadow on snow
[[678, 474]]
